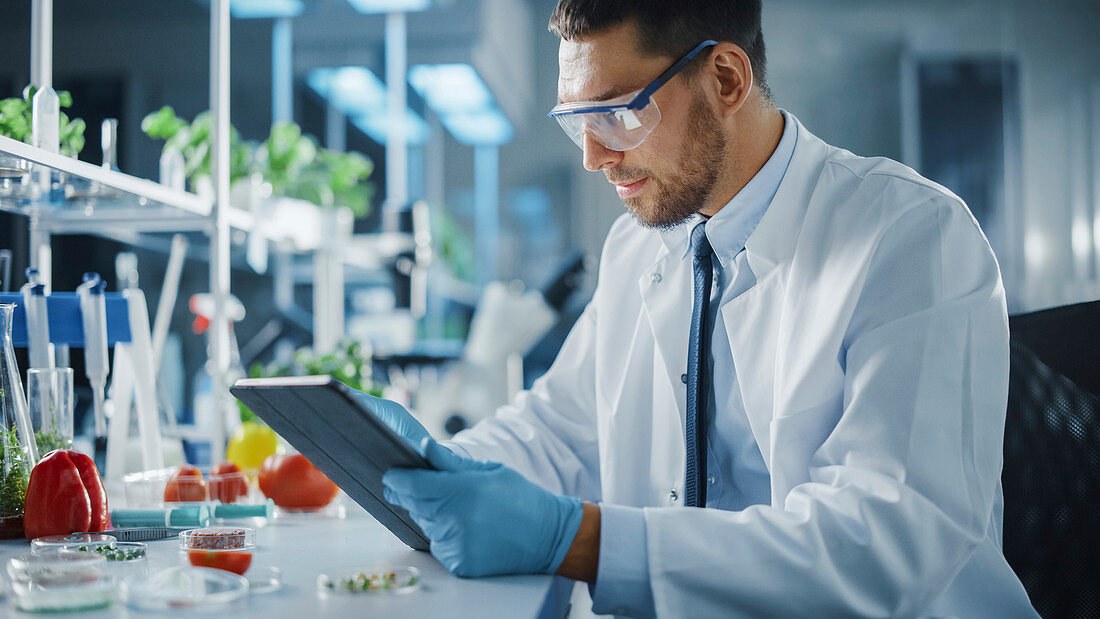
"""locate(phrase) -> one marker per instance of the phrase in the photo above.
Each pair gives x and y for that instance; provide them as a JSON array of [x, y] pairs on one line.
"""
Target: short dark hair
[[671, 27]]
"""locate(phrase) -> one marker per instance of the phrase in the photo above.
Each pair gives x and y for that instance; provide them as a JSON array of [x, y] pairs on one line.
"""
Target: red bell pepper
[[64, 495]]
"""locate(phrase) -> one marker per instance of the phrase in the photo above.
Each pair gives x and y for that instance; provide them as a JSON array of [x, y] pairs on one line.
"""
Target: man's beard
[[687, 189]]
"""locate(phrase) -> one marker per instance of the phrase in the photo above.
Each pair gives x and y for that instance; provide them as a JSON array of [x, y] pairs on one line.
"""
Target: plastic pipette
[[93, 308], [38, 327], [108, 139], [46, 134], [46, 119], [5, 270]]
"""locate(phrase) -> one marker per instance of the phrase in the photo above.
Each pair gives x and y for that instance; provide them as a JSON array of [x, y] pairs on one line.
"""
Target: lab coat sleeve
[[623, 584], [901, 490], [548, 434]]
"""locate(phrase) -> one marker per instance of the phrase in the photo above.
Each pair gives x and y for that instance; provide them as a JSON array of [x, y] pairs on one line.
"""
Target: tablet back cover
[[321, 417]]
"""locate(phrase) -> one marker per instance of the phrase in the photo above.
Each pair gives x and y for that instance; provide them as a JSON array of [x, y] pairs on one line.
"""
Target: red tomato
[[236, 562], [186, 484], [294, 483], [227, 482]]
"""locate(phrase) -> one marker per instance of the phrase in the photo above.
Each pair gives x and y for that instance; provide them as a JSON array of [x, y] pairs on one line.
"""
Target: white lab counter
[[303, 548]]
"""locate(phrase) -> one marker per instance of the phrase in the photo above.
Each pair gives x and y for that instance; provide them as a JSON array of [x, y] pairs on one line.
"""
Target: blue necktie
[[698, 376]]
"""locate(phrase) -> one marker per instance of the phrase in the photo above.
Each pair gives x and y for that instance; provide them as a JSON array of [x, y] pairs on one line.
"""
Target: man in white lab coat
[[787, 395]]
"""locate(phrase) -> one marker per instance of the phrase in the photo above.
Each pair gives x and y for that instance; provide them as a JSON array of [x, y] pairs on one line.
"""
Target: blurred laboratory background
[[466, 236]]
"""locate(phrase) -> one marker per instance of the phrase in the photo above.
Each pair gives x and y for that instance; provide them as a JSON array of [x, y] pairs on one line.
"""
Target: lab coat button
[[672, 496], [710, 480], [656, 277], [684, 378]]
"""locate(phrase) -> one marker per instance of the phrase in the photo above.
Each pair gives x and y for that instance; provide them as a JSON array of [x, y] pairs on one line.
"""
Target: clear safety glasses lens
[[617, 128]]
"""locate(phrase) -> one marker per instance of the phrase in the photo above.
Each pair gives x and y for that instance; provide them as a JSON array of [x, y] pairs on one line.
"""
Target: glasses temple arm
[[642, 99]]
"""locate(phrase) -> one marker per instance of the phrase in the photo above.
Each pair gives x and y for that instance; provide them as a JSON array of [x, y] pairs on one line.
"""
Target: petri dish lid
[[361, 580], [266, 579], [76, 541], [184, 587], [218, 539], [56, 568], [60, 581]]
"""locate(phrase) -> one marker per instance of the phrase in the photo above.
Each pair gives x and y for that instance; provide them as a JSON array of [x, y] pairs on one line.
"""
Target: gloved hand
[[484, 518], [396, 417]]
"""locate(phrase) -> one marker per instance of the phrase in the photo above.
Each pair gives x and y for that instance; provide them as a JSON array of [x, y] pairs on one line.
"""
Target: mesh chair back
[[1051, 473]]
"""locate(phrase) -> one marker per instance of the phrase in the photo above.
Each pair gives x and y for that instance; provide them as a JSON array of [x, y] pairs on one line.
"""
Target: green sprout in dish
[[112, 553], [373, 582]]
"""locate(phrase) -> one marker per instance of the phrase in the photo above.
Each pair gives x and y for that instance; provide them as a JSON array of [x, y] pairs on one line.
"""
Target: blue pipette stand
[[66, 326]]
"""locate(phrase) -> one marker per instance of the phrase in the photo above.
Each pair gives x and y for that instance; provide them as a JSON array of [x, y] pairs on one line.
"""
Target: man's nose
[[597, 156]]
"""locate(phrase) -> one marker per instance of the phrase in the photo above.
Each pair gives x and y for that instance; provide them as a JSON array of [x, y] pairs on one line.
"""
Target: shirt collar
[[729, 229]]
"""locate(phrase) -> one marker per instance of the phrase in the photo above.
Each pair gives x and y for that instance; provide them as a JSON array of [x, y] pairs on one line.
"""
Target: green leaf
[[201, 129], [162, 124], [15, 119], [72, 137], [13, 107], [65, 98]]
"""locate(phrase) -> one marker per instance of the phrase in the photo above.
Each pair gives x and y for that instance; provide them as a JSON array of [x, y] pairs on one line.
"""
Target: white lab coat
[[872, 358]]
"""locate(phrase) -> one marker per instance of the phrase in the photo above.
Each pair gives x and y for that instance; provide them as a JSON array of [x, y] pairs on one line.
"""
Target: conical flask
[[17, 448]]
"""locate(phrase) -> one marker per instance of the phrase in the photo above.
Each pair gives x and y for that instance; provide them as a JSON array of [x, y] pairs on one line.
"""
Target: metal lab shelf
[[90, 184], [89, 199]]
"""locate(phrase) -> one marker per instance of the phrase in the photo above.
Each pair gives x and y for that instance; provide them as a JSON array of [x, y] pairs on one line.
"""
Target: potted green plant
[[16, 123]]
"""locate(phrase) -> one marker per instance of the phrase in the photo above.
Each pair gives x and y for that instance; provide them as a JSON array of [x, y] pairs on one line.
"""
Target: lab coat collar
[[730, 228], [774, 238]]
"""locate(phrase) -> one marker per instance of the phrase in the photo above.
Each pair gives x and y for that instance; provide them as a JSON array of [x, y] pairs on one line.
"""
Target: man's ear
[[729, 73]]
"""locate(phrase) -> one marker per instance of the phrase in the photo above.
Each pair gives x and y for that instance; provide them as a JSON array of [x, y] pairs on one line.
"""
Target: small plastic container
[[128, 560], [148, 488], [223, 548], [60, 581], [357, 580], [184, 587], [76, 541], [264, 579]]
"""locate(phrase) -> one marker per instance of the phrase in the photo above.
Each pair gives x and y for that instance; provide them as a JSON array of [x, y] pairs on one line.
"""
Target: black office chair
[[1051, 473]]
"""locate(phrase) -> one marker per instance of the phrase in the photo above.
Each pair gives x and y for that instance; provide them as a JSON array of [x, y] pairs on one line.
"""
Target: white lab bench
[[302, 548]]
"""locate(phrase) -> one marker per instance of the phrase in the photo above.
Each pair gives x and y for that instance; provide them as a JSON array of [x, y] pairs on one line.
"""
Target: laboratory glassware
[[59, 581], [18, 451], [50, 396]]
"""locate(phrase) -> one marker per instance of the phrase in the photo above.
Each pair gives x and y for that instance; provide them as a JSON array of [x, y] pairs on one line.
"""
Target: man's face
[[672, 174]]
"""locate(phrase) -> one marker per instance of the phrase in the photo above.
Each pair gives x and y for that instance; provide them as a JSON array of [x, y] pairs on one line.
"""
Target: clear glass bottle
[[18, 452]]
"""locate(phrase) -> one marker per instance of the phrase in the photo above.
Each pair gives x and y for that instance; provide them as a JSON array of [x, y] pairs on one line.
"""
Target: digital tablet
[[322, 418]]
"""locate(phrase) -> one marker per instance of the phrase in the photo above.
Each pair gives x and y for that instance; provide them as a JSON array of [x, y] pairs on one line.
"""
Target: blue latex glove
[[396, 417], [484, 518]]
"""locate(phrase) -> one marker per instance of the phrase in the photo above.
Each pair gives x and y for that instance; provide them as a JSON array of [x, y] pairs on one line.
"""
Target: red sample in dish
[[236, 562]]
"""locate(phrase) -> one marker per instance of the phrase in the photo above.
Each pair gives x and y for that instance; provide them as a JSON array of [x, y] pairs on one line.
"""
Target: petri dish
[[128, 560], [76, 541], [365, 581], [60, 581], [264, 579], [223, 548], [184, 587], [125, 552]]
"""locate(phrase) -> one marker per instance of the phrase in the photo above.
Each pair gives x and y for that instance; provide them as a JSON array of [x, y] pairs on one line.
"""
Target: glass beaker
[[50, 396], [18, 452]]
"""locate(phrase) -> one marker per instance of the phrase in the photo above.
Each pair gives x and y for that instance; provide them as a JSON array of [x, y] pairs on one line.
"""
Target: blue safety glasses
[[624, 122]]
